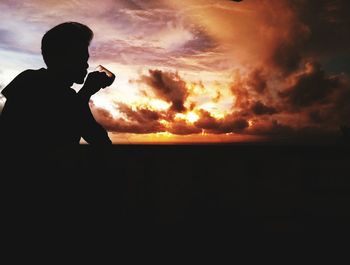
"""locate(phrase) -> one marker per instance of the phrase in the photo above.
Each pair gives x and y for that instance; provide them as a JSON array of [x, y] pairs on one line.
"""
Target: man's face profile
[[73, 64], [77, 65]]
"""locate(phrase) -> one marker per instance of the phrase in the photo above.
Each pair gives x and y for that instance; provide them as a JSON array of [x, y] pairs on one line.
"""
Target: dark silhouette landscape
[[247, 188]]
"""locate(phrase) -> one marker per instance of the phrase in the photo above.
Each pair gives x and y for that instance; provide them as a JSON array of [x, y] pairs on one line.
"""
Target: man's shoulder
[[24, 82], [30, 74]]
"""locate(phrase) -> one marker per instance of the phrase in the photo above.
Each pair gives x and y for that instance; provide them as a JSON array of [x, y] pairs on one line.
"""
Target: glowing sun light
[[159, 104], [190, 117]]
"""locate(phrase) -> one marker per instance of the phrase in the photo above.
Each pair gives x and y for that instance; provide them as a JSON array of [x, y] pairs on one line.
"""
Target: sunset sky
[[201, 70]]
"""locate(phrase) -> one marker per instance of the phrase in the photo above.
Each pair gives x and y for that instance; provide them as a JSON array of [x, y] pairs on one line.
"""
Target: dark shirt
[[40, 112]]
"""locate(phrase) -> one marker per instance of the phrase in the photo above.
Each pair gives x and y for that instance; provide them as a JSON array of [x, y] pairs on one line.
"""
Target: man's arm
[[92, 131]]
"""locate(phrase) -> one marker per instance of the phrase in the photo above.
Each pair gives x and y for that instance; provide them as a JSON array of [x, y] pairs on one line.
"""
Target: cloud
[[206, 121], [310, 86], [253, 93], [259, 108], [140, 121], [272, 128], [5, 37], [229, 124], [141, 115], [335, 109], [183, 128], [316, 29], [328, 22], [257, 80], [167, 86]]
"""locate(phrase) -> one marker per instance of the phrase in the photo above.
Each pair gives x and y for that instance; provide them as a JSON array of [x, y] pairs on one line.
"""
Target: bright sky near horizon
[[200, 70]]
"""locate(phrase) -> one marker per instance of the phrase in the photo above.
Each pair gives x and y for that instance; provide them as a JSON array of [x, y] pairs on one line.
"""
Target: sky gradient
[[201, 70]]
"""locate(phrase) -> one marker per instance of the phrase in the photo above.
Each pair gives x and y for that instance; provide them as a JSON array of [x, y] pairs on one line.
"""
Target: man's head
[[65, 50]]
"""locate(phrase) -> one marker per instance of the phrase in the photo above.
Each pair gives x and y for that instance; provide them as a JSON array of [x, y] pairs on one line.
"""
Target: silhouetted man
[[42, 111], [44, 177]]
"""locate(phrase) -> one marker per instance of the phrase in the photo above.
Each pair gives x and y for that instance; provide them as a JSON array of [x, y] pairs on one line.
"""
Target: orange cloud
[[167, 86]]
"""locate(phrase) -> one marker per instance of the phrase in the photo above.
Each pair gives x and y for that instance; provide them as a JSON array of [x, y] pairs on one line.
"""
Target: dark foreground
[[246, 188]]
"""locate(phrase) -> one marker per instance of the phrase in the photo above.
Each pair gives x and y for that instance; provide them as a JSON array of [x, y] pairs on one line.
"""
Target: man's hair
[[63, 38]]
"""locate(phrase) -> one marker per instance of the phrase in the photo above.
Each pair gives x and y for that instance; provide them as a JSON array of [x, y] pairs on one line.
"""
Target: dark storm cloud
[[183, 128], [336, 111], [259, 108], [319, 29], [230, 123], [206, 121], [287, 57], [252, 93], [124, 126], [142, 115], [242, 94], [328, 21], [138, 121], [258, 80], [167, 86], [311, 86], [311, 102], [341, 103], [273, 127], [276, 130]]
